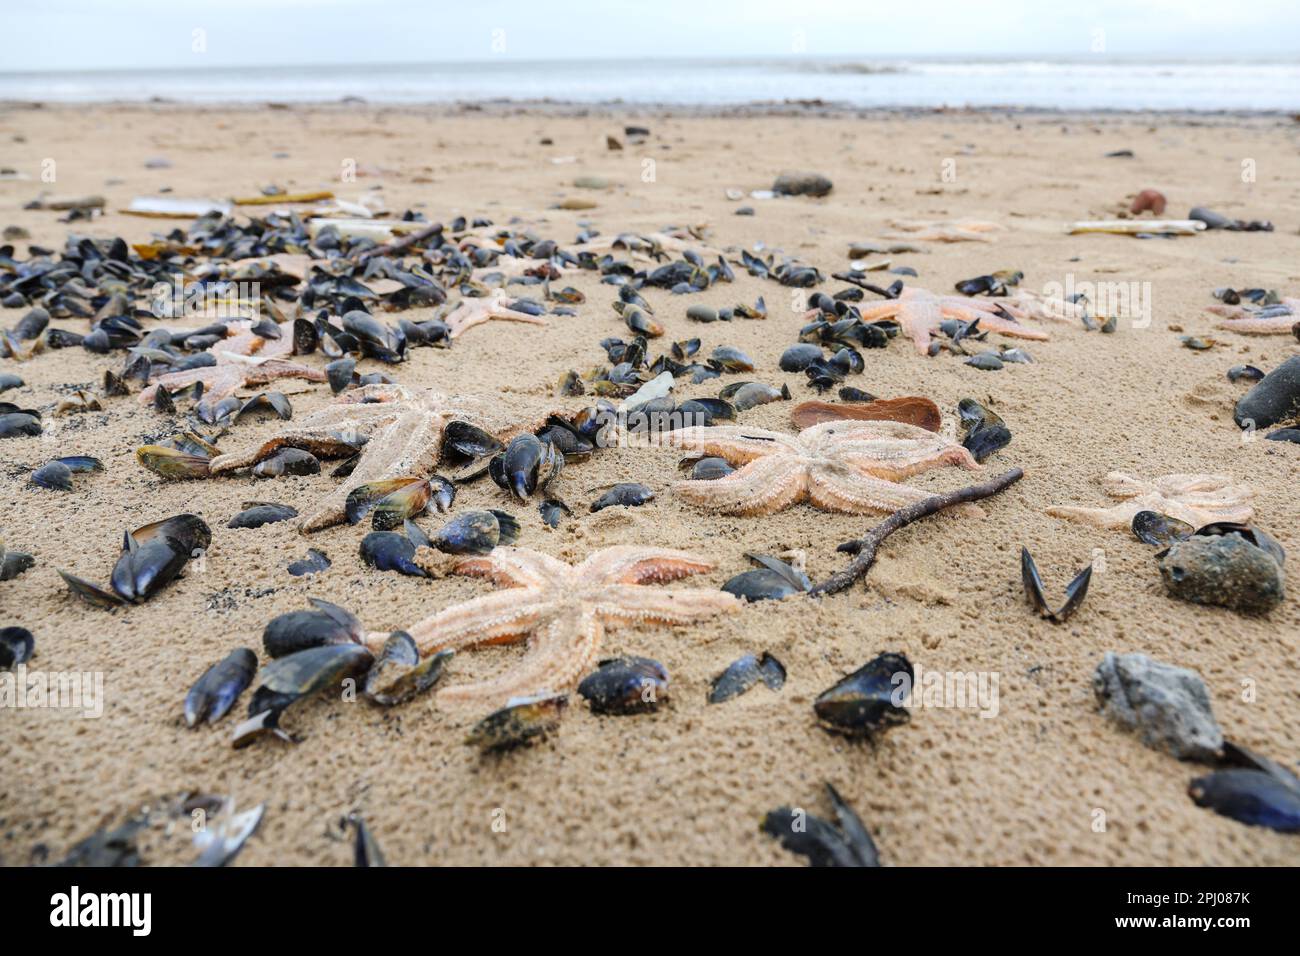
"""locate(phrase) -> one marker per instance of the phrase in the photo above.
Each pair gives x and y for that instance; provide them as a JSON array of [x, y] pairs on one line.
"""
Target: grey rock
[[801, 184], [1166, 705], [1275, 398], [1224, 570]]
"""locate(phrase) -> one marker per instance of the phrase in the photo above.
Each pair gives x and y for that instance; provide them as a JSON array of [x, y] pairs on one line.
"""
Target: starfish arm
[[835, 489], [883, 310], [629, 564], [219, 381], [497, 618], [516, 567], [559, 653], [635, 604], [1280, 325], [268, 372], [994, 323], [919, 318], [738, 445], [408, 446], [762, 487], [902, 465]]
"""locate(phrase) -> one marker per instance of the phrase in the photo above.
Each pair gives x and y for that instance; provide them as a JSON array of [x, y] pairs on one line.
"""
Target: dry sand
[[689, 784]]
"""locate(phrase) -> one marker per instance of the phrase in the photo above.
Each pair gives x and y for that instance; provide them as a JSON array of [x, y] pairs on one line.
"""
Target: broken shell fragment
[[398, 673]]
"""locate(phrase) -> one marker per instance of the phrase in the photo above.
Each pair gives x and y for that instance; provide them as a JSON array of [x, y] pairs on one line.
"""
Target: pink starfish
[[498, 305], [920, 312], [1245, 319]]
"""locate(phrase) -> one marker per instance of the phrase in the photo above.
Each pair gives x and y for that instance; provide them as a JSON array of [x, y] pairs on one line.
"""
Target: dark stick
[[397, 245], [869, 545]]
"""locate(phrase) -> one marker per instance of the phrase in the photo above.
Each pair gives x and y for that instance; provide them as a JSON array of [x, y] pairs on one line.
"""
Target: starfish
[[1197, 499], [562, 609], [472, 312], [943, 230], [850, 466], [400, 429], [919, 312], [1277, 319], [244, 360], [1043, 307]]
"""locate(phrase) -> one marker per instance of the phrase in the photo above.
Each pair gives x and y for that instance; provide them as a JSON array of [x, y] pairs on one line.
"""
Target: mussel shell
[[14, 564], [398, 673], [391, 551], [16, 646], [710, 469], [14, 424], [628, 494], [339, 373], [521, 721], [260, 514], [527, 464], [173, 463], [553, 511], [474, 532], [188, 532], [402, 498], [287, 461], [744, 673], [469, 441], [92, 594], [761, 584], [146, 566], [275, 402], [625, 685], [308, 671], [870, 700], [299, 630], [54, 475], [216, 691], [1075, 591], [1152, 527], [315, 562], [1253, 797]]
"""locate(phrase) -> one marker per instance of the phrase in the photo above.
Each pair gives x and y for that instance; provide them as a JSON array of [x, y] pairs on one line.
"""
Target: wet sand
[[689, 784]]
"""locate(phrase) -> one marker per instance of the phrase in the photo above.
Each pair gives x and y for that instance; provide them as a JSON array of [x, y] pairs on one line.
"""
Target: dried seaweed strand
[[874, 538]]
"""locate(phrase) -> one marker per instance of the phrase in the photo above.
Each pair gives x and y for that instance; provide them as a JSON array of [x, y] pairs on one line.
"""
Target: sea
[[1045, 83]]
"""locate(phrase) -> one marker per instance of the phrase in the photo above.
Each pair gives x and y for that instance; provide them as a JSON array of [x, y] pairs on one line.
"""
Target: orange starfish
[[1277, 319], [498, 305], [562, 609], [920, 312], [849, 466], [1197, 499]]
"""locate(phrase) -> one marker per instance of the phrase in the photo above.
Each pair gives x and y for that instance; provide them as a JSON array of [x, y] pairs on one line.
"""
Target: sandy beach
[[689, 784]]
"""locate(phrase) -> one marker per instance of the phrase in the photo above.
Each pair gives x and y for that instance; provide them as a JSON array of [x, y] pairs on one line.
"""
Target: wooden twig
[[397, 245], [869, 545]]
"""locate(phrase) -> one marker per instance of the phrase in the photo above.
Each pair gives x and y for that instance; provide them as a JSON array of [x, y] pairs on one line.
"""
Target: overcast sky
[[95, 34]]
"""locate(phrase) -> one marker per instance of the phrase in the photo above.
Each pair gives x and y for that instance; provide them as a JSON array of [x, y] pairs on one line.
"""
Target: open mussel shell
[[216, 691], [152, 558], [365, 848], [1254, 797], [1152, 527], [300, 630], [1074, 591], [173, 463], [523, 720], [822, 842], [773, 580], [744, 673], [275, 402], [469, 441], [986, 432], [625, 685], [870, 700], [398, 673], [16, 646]]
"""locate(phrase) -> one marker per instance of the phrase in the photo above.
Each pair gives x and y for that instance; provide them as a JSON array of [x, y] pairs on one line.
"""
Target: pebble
[[801, 184], [1151, 199], [1275, 399], [1224, 570], [1167, 706]]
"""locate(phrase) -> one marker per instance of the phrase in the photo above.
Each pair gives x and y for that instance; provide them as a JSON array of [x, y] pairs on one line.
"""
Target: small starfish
[[944, 230], [1043, 307], [244, 360], [919, 312], [1197, 499], [1277, 319], [850, 466], [401, 430], [472, 312], [562, 609]]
